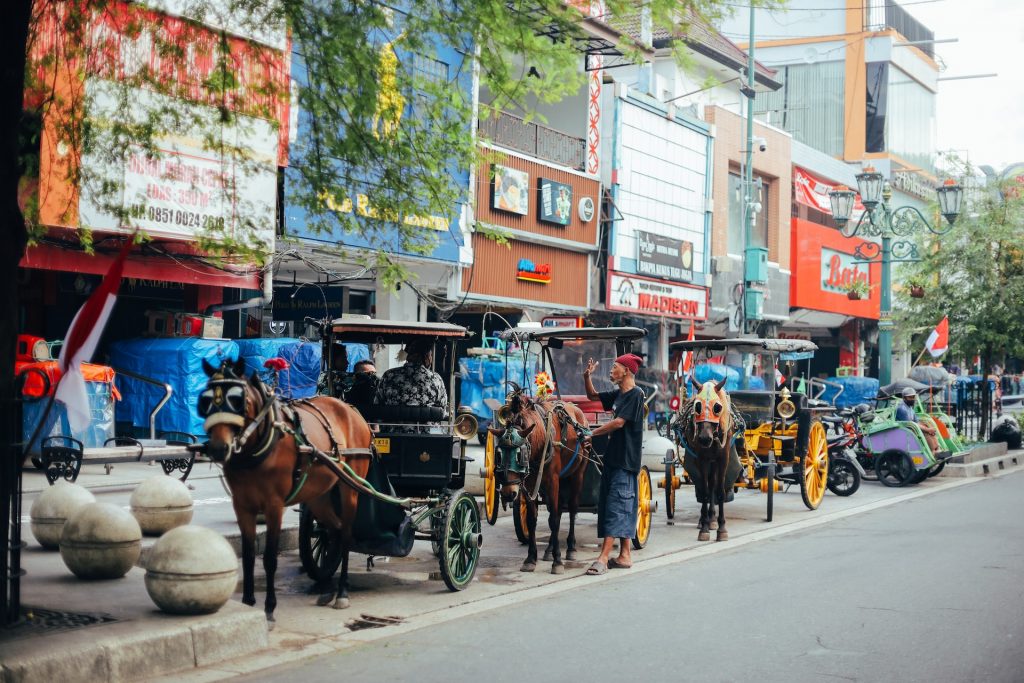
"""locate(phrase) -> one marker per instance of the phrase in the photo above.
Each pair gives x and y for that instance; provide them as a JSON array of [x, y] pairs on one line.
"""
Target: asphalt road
[[931, 589]]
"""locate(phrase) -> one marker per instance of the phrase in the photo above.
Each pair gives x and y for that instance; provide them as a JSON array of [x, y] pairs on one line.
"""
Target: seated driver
[[413, 384], [905, 413]]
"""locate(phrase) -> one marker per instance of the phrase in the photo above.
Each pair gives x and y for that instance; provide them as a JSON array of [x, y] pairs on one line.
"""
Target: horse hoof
[[251, 602], [558, 569], [704, 536], [325, 599], [341, 603], [570, 555], [722, 535], [271, 623], [528, 567]]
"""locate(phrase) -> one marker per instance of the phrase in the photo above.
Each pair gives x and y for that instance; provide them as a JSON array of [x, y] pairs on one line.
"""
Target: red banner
[[813, 192]]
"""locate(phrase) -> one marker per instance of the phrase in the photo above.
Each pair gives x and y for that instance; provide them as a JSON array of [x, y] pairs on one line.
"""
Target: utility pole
[[755, 258]]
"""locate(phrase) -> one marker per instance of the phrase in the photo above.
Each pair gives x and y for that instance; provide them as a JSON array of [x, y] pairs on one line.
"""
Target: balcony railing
[[883, 14], [508, 130]]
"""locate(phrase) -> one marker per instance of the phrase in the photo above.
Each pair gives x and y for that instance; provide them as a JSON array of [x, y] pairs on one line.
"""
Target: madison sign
[[645, 296]]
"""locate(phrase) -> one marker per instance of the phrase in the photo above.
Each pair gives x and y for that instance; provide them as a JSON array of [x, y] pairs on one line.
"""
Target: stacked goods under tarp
[[856, 390], [715, 372], [484, 378], [36, 391], [299, 380], [177, 362]]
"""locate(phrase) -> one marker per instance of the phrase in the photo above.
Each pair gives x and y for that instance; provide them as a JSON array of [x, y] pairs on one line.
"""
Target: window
[[759, 234], [900, 115], [810, 104]]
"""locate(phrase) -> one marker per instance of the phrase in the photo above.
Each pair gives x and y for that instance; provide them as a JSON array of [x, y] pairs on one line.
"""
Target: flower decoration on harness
[[545, 385]]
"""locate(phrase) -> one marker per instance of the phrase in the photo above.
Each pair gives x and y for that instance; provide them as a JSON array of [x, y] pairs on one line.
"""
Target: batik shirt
[[411, 385]]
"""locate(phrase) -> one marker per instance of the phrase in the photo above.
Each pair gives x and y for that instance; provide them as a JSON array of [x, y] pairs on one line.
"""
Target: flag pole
[[919, 357]]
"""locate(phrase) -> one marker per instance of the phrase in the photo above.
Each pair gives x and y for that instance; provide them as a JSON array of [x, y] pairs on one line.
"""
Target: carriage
[[413, 490], [782, 441], [562, 354]]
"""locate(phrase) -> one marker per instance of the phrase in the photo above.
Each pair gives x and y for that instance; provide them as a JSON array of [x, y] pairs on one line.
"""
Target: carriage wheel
[[670, 490], [771, 488], [937, 468], [894, 468], [814, 468], [490, 483], [519, 519], [320, 548], [645, 493], [460, 541], [843, 478]]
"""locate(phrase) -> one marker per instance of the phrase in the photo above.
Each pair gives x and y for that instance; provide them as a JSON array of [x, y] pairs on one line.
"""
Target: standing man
[[617, 500]]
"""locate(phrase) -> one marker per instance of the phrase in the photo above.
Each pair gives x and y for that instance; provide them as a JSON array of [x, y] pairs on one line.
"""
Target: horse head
[[711, 416], [229, 403], [517, 439]]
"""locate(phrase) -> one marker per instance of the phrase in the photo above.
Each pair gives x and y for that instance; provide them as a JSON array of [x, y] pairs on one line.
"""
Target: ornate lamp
[[951, 196], [870, 185], [842, 199]]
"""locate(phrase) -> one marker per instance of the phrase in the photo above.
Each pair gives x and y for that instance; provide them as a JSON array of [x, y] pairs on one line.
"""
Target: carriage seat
[[404, 413], [756, 407]]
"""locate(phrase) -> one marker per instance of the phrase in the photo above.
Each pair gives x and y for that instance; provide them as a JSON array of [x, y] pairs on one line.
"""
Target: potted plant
[[915, 286], [858, 289]]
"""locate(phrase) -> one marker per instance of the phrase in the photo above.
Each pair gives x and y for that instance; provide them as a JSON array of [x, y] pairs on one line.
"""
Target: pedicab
[[414, 487], [781, 440], [563, 354], [897, 451]]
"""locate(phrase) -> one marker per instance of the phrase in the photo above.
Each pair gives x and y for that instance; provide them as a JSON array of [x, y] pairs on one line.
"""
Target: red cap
[[630, 361]]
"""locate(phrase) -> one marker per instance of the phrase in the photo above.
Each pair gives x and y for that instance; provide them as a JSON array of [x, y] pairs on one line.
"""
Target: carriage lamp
[[893, 226]]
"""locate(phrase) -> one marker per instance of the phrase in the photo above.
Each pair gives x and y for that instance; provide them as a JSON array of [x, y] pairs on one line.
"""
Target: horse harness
[[522, 446]]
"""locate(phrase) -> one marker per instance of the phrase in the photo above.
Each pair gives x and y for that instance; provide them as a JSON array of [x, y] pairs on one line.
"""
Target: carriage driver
[[413, 384], [905, 413], [617, 499]]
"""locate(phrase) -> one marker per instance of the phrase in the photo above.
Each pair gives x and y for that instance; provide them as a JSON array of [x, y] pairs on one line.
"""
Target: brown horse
[[257, 437], [707, 432], [552, 431]]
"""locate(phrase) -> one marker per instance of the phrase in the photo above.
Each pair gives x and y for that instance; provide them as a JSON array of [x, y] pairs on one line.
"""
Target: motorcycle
[[845, 471]]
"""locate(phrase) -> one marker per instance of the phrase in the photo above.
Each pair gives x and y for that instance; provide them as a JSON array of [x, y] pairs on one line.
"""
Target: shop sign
[[645, 296], [805, 336], [914, 184], [555, 202], [510, 190], [661, 256], [528, 271], [559, 321], [838, 270]]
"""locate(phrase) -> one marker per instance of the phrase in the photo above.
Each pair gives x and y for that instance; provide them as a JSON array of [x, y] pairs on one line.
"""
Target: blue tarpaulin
[[177, 362], [299, 380], [101, 424], [485, 378], [856, 390], [707, 372]]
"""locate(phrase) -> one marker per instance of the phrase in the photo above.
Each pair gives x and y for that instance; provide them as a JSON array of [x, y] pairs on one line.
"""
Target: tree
[[974, 275]]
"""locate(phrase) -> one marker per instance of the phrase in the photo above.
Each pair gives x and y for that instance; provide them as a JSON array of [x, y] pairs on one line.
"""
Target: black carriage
[[562, 354], [414, 487]]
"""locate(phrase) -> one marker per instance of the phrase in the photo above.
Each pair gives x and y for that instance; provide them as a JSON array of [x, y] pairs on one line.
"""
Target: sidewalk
[[142, 643]]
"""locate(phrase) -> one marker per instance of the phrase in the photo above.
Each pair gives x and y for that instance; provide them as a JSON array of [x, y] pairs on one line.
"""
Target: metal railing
[[513, 132], [883, 14]]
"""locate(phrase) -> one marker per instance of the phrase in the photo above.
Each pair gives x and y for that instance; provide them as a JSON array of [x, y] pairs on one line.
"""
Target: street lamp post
[[892, 225]]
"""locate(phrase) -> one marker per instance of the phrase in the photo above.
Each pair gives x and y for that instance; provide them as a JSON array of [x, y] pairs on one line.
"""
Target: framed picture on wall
[[555, 202], [511, 190]]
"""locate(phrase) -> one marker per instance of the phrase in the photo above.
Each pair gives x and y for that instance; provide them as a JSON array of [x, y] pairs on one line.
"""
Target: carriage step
[[983, 468]]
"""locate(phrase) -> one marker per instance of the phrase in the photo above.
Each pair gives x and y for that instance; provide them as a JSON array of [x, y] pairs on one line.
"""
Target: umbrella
[[930, 375], [900, 384]]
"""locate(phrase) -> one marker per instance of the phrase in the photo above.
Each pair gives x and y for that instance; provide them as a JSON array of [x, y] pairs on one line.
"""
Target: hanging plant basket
[[917, 292], [855, 296]]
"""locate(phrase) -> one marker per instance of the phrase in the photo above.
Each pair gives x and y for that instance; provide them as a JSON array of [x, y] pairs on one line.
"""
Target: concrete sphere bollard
[[53, 507], [191, 570], [100, 541], [161, 503]]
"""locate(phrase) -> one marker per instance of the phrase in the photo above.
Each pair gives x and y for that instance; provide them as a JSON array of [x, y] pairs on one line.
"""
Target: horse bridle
[[223, 402]]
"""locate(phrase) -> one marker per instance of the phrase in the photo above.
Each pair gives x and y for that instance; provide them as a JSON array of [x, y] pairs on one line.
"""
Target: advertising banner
[[824, 266], [646, 296], [813, 192], [511, 190], [555, 202], [661, 256]]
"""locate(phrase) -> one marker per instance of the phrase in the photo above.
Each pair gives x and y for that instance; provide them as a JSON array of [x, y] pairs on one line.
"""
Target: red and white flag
[[687, 360], [81, 340], [938, 341]]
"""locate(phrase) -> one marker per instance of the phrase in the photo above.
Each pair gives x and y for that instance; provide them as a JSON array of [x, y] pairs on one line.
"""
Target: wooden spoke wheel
[[519, 518], [645, 509], [460, 541], [814, 467], [490, 483], [319, 547], [670, 490]]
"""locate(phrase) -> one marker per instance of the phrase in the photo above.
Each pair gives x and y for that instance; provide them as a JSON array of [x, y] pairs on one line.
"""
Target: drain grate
[[370, 621], [41, 622]]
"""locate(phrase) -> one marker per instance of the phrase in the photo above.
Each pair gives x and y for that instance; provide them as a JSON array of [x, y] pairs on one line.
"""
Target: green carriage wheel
[[460, 541], [894, 468], [320, 548]]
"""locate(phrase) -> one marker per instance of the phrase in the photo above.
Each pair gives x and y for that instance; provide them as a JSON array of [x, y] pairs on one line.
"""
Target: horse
[[707, 431], [273, 455], [557, 455]]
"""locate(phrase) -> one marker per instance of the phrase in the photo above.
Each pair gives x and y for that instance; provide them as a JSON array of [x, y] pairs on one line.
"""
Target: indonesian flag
[[938, 341], [687, 360], [81, 340]]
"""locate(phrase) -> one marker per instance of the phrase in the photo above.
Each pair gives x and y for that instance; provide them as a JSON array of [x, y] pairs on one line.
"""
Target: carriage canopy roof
[[376, 330], [540, 334], [748, 345]]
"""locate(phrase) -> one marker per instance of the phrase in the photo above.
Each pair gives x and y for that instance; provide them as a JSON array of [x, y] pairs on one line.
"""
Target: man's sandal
[[597, 569]]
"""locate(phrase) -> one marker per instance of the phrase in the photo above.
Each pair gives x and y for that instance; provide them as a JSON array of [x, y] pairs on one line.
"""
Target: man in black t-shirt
[[617, 500]]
